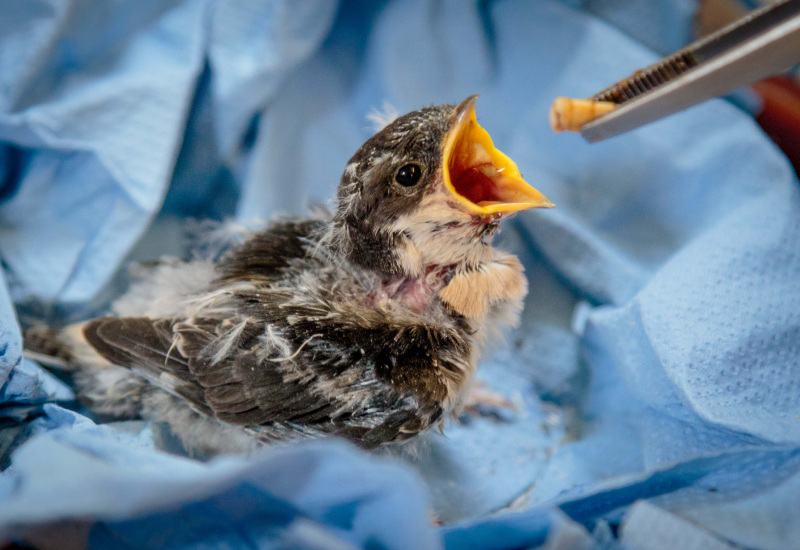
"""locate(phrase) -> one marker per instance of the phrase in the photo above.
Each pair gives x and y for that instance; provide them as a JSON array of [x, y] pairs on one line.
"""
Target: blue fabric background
[[659, 354]]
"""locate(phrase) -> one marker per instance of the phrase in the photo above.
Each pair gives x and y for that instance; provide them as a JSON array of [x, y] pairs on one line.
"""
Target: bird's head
[[428, 190]]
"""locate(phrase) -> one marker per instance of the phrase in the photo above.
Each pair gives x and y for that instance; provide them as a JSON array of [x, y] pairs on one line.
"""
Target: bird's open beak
[[483, 179]]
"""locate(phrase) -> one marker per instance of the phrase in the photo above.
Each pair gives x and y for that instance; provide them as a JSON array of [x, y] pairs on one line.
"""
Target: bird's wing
[[238, 387], [267, 253], [235, 373], [147, 347]]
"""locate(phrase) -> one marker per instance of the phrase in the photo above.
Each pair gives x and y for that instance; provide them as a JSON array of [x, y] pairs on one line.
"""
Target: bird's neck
[[406, 279], [470, 281], [412, 253], [417, 294], [366, 247]]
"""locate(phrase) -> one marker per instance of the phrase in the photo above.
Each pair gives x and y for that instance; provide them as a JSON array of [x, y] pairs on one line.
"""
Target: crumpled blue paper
[[658, 358], [272, 498], [97, 97]]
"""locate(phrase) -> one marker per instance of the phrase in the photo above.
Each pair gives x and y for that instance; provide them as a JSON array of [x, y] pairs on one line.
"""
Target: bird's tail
[[60, 348], [107, 389], [44, 344]]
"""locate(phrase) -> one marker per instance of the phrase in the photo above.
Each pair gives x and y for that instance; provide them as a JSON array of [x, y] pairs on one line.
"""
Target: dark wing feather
[[244, 388], [267, 253], [127, 341], [222, 370], [146, 346], [238, 390]]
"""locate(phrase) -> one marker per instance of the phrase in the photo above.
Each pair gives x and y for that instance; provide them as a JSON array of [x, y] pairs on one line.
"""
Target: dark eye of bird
[[408, 175]]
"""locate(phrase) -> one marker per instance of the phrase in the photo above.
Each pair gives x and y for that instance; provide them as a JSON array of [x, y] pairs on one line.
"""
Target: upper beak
[[483, 179]]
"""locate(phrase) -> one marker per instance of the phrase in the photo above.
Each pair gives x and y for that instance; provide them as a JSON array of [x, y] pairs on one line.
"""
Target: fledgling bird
[[365, 326]]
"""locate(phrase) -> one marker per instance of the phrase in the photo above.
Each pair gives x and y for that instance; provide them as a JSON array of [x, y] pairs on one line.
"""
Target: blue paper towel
[[658, 352], [142, 496]]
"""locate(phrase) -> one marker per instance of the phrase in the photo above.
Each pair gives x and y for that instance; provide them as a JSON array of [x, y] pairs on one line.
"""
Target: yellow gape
[[483, 179]]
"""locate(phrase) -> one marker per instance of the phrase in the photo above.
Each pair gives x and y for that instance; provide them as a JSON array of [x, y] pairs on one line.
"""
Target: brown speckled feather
[[267, 392]]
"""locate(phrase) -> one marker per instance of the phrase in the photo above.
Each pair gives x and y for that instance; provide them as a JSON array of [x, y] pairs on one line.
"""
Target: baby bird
[[365, 326]]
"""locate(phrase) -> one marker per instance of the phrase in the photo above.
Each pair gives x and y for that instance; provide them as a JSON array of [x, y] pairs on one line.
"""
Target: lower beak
[[483, 179]]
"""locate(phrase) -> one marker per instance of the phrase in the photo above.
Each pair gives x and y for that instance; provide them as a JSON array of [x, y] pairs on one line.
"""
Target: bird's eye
[[408, 175]]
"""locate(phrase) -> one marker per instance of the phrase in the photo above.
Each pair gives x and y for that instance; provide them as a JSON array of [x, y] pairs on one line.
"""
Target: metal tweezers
[[761, 44]]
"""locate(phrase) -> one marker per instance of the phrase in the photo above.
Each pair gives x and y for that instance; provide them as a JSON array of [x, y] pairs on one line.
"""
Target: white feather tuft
[[381, 118]]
